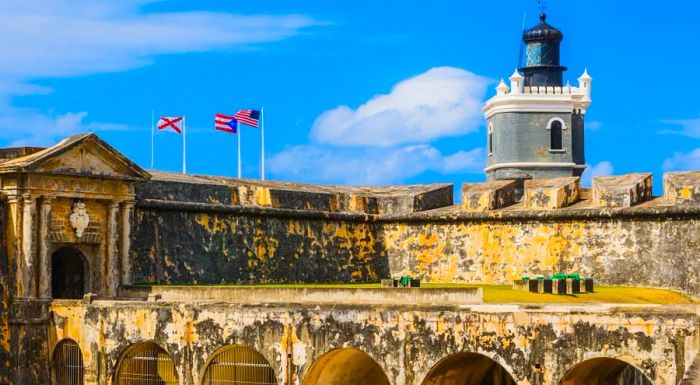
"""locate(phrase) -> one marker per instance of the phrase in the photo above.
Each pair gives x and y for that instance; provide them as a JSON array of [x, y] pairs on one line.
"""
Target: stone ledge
[[549, 194], [621, 190], [203, 189], [682, 188], [487, 196], [333, 296]]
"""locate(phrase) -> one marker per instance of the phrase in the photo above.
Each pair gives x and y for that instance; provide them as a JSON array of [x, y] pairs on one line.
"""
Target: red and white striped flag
[[225, 123], [171, 122], [249, 117]]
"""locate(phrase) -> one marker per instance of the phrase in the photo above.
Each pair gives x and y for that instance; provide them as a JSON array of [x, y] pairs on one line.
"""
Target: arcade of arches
[[149, 363]]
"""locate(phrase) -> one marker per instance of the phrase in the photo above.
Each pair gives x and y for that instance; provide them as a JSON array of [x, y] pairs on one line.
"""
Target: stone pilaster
[[112, 248], [44, 244], [127, 210], [27, 273]]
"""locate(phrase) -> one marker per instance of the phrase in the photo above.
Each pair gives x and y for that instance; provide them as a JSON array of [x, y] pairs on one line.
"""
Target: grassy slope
[[505, 293]]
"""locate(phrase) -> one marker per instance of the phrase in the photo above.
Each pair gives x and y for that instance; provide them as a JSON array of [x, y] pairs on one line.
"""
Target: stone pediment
[[83, 155]]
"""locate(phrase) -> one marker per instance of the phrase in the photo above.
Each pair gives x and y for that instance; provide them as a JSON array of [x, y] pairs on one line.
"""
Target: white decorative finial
[[584, 84], [516, 83], [585, 75], [502, 88]]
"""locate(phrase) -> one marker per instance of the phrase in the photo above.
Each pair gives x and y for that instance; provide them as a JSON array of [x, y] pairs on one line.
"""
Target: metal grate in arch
[[67, 364], [238, 365], [146, 363]]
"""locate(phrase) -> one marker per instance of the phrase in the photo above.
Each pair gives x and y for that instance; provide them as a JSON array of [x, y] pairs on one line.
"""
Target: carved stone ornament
[[79, 219]]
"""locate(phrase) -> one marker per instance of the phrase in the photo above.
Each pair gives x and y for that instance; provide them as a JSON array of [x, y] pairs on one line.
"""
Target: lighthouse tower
[[535, 126]]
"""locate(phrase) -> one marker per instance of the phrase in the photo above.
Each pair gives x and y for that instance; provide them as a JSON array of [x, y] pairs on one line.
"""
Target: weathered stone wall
[[654, 244], [185, 244], [657, 250], [5, 333], [536, 346]]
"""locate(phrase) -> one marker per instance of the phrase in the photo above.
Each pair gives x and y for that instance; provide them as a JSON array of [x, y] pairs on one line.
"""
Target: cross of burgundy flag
[[249, 117], [225, 123], [171, 122]]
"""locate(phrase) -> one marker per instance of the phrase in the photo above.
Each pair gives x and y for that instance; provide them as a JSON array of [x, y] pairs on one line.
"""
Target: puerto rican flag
[[171, 122], [225, 123]]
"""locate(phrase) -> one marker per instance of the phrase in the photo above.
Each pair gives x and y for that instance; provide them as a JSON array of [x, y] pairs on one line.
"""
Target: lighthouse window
[[490, 139], [555, 135], [534, 54]]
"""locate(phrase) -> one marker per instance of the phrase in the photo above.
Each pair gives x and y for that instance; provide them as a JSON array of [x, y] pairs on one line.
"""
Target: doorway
[[67, 274]]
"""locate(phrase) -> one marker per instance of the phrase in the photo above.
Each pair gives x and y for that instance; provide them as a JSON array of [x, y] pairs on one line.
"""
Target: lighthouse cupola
[[542, 55]]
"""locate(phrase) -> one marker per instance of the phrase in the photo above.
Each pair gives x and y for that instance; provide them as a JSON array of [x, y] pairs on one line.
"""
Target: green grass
[[506, 294]]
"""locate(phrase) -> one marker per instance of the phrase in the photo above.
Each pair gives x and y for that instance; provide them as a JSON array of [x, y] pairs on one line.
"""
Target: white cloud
[[683, 161], [370, 166], [600, 169], [43, 39], [594, 125], [27, 127], [688, 127], [64, 38], [441, 102]]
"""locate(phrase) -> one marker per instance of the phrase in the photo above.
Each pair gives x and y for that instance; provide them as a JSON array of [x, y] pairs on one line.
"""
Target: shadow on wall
[[171, 246], [605, 371], [345, 366], [468, 369]]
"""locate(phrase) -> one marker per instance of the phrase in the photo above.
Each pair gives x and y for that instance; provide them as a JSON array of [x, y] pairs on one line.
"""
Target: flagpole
[[262, 143], [184, 151], [238, 134], [152, 137]]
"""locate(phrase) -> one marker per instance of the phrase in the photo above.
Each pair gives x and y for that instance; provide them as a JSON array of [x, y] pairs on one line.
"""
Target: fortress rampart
[[188, 229]]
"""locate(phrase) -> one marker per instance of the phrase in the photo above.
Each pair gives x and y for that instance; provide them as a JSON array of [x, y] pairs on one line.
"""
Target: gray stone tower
[[536, 126]]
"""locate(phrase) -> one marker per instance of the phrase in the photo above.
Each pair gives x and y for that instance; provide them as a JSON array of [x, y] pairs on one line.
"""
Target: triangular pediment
[[84, 155]]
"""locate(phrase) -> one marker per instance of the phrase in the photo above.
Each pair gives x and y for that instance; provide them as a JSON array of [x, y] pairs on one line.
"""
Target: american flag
[[249, 117], [225, 123]]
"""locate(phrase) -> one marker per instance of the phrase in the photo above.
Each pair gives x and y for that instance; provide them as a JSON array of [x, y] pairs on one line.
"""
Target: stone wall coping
[[657, 207], [644, 311], [311, 295]]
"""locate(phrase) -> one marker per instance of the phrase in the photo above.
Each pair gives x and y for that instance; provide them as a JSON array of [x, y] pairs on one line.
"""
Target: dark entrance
[[67, 274]]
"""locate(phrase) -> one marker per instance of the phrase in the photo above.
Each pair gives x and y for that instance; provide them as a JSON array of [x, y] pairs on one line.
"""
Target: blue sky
[[363, 92]]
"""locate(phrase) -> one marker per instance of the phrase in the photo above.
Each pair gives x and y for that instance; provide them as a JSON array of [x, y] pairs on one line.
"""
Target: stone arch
[[345, 366], [69, 274], [605, 371], [67, 366], [237, 364], [468, 368], [145, 363]]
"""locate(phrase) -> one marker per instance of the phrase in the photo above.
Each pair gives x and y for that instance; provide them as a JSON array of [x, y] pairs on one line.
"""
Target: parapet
[[555, 193], [682, 188], [219, 191], [621, 191], [488, 195]]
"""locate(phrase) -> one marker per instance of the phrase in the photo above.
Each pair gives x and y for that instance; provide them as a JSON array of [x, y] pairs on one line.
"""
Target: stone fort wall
[[187, 230]]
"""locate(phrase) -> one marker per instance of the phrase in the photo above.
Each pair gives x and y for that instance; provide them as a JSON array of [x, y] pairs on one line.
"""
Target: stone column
[[112, 248], [125, 245], [27, 286], [44, 245]]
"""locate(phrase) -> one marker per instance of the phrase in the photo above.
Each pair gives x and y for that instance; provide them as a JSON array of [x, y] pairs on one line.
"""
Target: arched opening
[[605, 371], [67, 274], [67, 364], [145, 363], [345, 366], [490, 138], [468, 369], [555, 133], [238, 365]]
